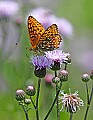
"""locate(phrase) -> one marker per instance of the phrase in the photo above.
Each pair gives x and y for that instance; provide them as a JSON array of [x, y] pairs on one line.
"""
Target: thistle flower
[[48, 78], [8, 8], [41, 63], [71, 102], [58, 57], [65, 27]]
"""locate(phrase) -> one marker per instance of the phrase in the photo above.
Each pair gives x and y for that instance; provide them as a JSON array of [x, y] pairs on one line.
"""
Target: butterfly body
[[41, 39]]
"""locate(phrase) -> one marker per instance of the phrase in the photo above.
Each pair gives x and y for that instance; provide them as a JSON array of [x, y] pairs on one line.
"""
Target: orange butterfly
[[41, 39]]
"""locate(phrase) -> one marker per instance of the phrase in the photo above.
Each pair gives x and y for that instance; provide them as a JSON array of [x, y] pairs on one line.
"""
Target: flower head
[[71, 102], [8, 8], [56, 56], [41, 62], [65, 27]]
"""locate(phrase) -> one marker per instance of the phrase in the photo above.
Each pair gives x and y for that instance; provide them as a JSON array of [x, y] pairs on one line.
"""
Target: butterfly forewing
[[35, 30]]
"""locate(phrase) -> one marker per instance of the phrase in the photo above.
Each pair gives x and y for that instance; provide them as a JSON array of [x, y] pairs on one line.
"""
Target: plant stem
[[53, 103], [86, 112], [37, 98], [88, 101], [26, 114], [65, 66], [91, 94], [71, 115], [32, 102], [58, 113], [87, 94]]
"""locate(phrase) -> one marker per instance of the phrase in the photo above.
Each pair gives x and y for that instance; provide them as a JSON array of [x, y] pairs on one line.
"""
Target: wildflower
[[48, 78], [58, 57], [8, 8], [71, 102], [65, 27], [20, 95], [85, 77], [30, 90], [63, 75], [41, 63]]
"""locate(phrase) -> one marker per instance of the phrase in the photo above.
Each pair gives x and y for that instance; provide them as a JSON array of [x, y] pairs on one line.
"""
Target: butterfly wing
[[50, 39], [35, 30]]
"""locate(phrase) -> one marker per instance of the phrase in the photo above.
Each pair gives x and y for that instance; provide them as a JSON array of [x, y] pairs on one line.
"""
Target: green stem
[[53, 102], [85, 117], [91, 94], [87, 94], [71, 115], [88, 101], [37, 98], [58, 113], [26, 114], [32, 102]]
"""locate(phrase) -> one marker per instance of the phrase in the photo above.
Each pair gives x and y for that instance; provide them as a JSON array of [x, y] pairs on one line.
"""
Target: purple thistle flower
[[8, 8], [41, 62], [57, 56]]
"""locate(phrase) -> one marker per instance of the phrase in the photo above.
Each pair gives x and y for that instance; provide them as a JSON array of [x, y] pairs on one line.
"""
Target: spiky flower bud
[[55, 80], [85, 77], [30, 90], [27, 101], [20, 95], [63, 75]]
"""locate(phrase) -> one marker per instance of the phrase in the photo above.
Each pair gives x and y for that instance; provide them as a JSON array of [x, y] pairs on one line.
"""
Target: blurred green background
[[16, 72]]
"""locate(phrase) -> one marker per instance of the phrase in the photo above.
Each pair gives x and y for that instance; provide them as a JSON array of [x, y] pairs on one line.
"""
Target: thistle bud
[[20, 95], [55, 80], [63, 75], [30, 90], [27, 101], [85, 77]]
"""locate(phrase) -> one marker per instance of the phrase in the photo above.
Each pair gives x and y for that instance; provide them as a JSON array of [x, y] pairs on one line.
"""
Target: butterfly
[[41, 39]]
